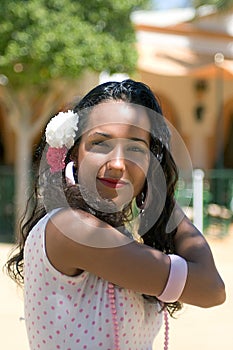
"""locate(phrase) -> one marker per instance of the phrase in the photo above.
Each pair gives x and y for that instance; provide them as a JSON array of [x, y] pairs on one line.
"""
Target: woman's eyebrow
[[100, 134], [139, 140], [108, 136]]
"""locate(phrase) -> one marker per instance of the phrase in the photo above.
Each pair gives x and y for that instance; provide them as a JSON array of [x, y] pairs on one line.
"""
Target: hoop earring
[[75, 173], [141, 197], [70, 174]]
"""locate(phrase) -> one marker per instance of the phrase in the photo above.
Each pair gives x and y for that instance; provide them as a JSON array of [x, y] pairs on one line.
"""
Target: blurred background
[[54, 51]]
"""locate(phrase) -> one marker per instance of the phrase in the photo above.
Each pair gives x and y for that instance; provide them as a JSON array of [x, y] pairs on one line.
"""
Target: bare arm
[[122, 261], [129, 264]]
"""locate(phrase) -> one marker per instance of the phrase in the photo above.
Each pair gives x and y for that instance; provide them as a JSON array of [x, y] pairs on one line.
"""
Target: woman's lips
[[112, 183]]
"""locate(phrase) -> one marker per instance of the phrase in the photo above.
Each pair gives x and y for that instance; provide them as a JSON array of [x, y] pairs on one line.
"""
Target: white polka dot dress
[[72, 313]]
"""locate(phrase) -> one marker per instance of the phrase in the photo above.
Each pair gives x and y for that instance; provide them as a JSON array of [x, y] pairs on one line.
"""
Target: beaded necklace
[[112, 302], [166, 332]]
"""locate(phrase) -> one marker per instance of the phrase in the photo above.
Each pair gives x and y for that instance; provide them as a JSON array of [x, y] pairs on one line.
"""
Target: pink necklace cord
[[112, 301], [166, 332]]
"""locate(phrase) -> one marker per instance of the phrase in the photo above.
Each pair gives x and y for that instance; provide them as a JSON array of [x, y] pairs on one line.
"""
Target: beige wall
[[180, 94]]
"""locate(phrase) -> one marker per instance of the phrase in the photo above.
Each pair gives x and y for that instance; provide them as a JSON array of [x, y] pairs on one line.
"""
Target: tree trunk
[[22, 167]]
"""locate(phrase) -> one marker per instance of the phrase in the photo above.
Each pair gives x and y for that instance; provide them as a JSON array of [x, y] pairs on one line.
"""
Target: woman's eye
[[99, 145], [137, 149]]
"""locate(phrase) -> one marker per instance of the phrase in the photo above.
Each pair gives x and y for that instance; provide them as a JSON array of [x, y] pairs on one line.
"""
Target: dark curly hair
[[46, 184]]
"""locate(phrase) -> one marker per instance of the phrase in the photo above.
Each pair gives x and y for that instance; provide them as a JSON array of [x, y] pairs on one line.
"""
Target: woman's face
[[114, 152]]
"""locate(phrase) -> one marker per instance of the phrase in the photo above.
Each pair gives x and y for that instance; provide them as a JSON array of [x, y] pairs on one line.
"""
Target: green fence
[[217, 194], [217, 200], [6, 204]]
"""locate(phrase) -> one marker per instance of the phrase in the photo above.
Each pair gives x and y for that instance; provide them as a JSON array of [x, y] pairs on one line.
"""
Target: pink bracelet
[[176, 280]]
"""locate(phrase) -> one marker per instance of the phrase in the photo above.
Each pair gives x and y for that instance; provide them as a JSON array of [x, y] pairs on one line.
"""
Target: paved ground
[[195, 328]]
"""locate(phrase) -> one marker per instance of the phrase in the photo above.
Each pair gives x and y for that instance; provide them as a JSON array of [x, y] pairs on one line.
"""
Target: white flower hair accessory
[[60, 135], [61, 129]]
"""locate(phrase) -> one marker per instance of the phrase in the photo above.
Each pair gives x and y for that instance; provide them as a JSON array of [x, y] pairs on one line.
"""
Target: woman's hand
[[204, 286]]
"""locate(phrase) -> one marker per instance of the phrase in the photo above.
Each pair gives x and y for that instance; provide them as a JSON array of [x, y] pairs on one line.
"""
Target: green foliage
[[220, 4], [47, 39]]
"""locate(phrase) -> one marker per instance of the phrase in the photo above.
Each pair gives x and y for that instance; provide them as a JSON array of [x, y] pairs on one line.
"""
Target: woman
[[98, 259]]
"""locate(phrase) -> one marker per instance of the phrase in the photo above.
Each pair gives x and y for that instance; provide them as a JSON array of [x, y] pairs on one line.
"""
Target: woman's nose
[[117, 164], [117, 160]]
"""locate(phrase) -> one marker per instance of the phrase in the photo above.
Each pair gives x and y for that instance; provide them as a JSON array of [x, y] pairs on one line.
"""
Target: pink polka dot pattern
[[71, 313]]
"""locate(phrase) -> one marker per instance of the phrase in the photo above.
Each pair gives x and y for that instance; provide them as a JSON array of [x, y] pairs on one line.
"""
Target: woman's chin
[[120, 197], [121, 203]]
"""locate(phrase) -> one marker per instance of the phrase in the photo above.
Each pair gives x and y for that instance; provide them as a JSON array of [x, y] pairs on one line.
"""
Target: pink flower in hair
[[56, 158]]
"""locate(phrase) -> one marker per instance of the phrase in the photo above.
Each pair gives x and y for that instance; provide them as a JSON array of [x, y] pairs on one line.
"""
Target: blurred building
[[188, 63]]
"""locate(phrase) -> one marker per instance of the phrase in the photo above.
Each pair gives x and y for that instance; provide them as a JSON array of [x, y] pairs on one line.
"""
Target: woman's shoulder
[[70, 216], [73, 235], [83, 228]]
